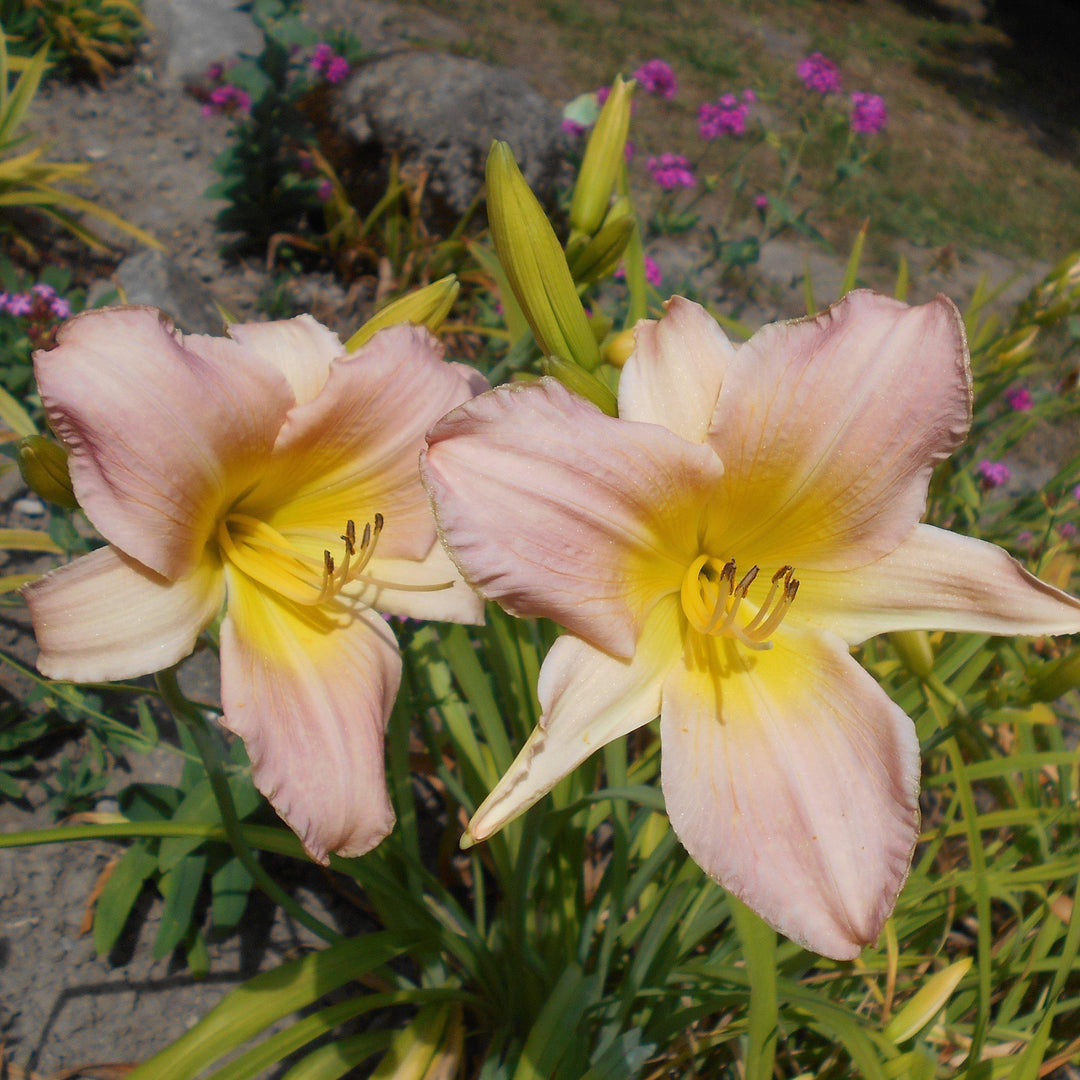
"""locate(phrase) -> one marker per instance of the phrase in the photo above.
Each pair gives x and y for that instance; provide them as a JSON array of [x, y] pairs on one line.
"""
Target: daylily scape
[[272, 474], [714, 552]]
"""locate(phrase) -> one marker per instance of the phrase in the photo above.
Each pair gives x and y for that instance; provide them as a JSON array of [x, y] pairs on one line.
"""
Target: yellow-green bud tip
[[44, 468]]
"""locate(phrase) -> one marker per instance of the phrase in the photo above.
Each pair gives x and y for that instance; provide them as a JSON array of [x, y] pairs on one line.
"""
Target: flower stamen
[[711, 601]]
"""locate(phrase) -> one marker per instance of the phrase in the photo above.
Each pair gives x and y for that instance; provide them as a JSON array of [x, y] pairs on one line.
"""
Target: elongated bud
[[428, 307], [913, 648], [535, 266], [1049, 681], [44, 468], [602, 253], [583, 383], [604, 156], [618, 350]]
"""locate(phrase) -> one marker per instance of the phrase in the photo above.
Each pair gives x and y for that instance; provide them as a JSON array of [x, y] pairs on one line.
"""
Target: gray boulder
[[151, 277], [441, 112], [193, 33]]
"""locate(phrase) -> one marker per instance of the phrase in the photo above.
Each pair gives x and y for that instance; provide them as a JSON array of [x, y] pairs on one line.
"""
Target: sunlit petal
[[589, 698], [160, 436], [301, 349], [935, 580], [830, 427], [419, 593], [311, 700], [554, 509], [674, 375], [105, 617], [354, 450], [792, 779]]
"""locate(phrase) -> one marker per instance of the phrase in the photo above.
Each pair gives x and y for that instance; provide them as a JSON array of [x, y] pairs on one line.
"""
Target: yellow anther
[[711, 608]]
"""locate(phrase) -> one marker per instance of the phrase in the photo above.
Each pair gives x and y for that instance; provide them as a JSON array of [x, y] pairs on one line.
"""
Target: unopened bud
[[1049, 681], [428, 307], [535, 266], [602, 253], [583, 383], [604, 157], [44, 468], [617, 351], [913, 648]]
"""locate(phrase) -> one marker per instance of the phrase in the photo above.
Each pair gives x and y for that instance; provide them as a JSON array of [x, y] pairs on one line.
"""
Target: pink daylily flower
[[271, 474], [713, 554]]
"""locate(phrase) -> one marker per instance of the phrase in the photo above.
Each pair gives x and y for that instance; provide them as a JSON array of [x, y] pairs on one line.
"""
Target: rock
[[193, 33], [151, 277], [441, 112]]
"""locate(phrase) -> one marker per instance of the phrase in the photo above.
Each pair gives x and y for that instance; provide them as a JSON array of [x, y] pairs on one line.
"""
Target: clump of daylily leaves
[[715, 526]]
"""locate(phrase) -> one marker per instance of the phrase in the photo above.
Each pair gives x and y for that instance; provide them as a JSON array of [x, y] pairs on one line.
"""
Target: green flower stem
[[209, 750]]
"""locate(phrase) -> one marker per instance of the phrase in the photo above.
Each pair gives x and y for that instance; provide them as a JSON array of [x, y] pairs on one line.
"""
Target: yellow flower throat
[[711, 601]]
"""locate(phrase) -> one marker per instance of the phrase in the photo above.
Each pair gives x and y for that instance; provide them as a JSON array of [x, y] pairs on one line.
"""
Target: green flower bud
[[583, 383], [428, 307], [913, 648], [604, 157], [602, 253], [44, 468], [535, 266]]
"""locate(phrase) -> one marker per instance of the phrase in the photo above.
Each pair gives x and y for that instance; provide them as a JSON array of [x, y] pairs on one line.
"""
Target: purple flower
[[1019, 398], [321, 57], [761, 202], [993, 473], [602, 94], [628, 150], [227, 99], [671, 171], [656, 77], [60, 307], [1066, 530], [214, 72], [868, 113], [337, 70], [325, 190], [726, 116], [1076, 492], [47, 292], [20, 304], [819, 73], [573, 128]]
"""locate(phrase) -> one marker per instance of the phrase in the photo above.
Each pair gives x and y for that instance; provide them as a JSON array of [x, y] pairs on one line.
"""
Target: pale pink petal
[[588, 699], [161, 437], [311, 700], [354, 450], [935, 580], [830, 427], [105, 617], [554, 509], [419, 595], [792, 779], [674, 375], [301, 349]]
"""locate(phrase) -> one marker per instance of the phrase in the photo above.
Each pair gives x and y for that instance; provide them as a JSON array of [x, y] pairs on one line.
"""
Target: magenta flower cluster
[[227, 99], [333, 67], [868, 113], [727, 116], [671, 171], [656, 77], [819, 73], [42, 301], [993, 473], [1019, 398]]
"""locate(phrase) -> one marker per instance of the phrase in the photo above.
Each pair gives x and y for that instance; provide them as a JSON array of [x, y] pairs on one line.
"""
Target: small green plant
[[30, 186], [83, 37]]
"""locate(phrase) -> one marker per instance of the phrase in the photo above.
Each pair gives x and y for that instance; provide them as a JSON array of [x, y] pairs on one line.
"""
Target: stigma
[[715, 604]]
